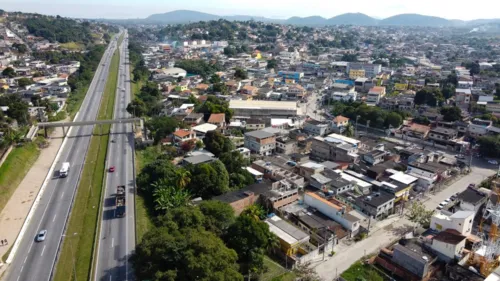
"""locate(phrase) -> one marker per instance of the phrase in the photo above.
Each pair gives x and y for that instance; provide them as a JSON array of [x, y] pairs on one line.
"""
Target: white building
[[448, 244], [333, 211], [460, 221], [264, 109], [344, 96]]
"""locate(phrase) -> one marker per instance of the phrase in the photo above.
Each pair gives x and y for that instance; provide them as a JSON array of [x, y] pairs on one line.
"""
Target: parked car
[[493, 162]]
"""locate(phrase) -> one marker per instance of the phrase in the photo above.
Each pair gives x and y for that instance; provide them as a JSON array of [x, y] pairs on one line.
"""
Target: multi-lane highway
[[35, 260], [117, 234]]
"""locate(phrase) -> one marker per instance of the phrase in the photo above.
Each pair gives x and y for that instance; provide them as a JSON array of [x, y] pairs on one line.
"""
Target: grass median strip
[[77, 249]]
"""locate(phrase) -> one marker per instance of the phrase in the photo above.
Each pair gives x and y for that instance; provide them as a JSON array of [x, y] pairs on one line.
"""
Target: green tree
[[489, 145], [161, 127], [217, 143], [451, 113], [153, 172], [305, 273], [419, 215], [431, 97], [209, 179], [9, 72], [23, 82], [249, 238], [423, 120], [21, 48], [216, 105], [349, 130], [218, 216], [182, 178], [240, 74], [137, 108], [188, 254], [271, 64], [394, 119], [448, 91], [255, 211]]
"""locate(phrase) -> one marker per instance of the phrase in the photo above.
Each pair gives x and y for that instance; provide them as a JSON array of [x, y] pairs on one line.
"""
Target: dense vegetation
[[199, 67], [378, 117], [58, 29]]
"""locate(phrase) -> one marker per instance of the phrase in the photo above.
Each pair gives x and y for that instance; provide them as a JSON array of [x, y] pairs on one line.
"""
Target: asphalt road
[[117, 234], [36, 260]]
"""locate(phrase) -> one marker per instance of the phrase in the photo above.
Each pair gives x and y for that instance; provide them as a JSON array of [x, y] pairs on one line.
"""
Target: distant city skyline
[[122, 9]]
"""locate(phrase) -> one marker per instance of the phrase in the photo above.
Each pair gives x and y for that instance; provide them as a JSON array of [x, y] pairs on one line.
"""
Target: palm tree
[[255, 211], [349, 130], [182, 178]]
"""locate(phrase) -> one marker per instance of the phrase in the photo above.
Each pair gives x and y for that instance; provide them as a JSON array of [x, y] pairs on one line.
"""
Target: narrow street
[[346, 255]]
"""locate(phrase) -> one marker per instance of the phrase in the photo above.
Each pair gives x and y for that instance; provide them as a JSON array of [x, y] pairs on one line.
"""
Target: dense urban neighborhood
[[251, 150]]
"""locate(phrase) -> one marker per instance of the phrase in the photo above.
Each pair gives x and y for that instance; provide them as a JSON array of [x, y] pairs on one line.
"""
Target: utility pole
[[356, 132]]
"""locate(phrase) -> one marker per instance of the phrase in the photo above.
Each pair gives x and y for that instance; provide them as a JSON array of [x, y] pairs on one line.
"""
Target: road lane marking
[[25, 260], [62, 195], [43, 250], [112, 242], [54, 218], [30, 247]]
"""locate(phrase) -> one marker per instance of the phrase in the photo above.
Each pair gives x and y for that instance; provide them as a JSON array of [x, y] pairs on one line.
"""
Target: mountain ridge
[[187, 16]]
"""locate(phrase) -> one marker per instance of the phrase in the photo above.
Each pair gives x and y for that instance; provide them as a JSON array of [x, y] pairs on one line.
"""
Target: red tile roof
[[181, 133], [340, 119], [217, 118]]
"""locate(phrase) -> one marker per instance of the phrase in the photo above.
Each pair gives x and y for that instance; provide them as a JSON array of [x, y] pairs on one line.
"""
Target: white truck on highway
[[64, 170]]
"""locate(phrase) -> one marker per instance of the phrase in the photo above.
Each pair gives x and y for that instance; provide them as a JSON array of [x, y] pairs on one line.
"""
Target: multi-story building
[[344, 96], [260, 142], [356, 73], [315, 127], [376, 204], [290, 75], [374, 95], [335, 148], [370, 70], [295, 92], [460, 221], [442, 135], [339, 123]]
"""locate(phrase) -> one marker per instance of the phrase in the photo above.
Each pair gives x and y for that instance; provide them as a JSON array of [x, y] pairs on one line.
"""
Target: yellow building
[[356, 73], [401, 86]]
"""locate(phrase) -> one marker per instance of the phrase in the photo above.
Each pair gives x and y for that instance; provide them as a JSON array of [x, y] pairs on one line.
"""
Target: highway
[[36, 260], [117, 234]]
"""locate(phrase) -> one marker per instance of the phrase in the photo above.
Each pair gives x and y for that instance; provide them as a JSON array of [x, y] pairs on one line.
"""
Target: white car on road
[[493, 162]]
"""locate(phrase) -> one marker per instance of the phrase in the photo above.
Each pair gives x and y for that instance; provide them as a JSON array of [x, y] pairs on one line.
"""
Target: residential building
[[356, 73], [286, 145], [273, 195], [198, 159], [295, 92], [442, 135], [193, 118], [333, 209], [448, 244], [181, 136], [344, 96], [254, 124], [339, 123], [293, 241], [310, 168], [316, 128], [376, 204], [203, 129], [278, 173], [290, 75], [371, 70], [463, 96], [218, 119], [413, 131], [374, 95], [461, 221], [340, 185], [409, 259], [260, 142], [334, 148], [471, 200], [249, 90], [374, 157]]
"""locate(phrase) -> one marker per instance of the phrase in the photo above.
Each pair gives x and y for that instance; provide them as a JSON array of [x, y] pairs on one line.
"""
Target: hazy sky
[[457, 9]]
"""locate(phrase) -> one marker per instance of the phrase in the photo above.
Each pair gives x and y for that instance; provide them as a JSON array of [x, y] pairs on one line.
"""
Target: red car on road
[[111, 169]]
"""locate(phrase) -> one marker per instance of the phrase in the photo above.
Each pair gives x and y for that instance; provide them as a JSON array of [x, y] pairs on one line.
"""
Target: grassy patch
[[15, 168], [143, 215], [359, 271], [86, 213], [275, 272], [75, 100], [72, 46], [135, 87]]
